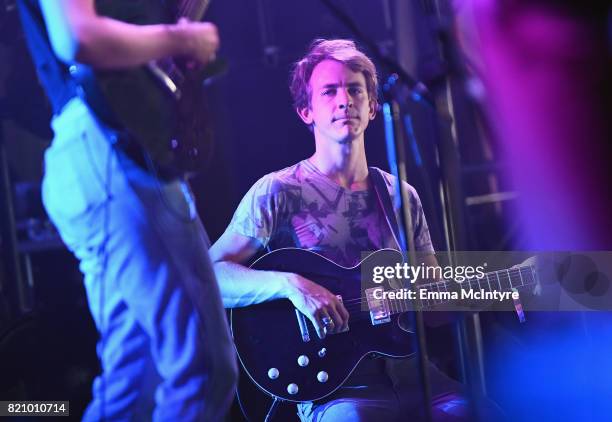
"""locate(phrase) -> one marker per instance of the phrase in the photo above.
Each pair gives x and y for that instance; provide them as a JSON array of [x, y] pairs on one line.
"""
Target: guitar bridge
[[379, 308]]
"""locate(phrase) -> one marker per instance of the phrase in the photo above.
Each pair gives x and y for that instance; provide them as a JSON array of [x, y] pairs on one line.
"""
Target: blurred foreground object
[[545, 68]]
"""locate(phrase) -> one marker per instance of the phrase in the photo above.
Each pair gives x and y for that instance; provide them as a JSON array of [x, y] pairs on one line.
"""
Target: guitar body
[[160, 106], [280, 352], [267, 335]]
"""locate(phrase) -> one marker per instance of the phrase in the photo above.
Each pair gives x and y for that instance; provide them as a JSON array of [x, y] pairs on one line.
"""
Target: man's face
[[340, 108]]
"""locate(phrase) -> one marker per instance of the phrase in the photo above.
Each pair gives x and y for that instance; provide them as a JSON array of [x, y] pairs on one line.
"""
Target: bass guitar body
[[161, 106]]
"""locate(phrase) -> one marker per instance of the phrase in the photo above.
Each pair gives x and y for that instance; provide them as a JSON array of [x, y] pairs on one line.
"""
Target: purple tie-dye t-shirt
[[301, 207]]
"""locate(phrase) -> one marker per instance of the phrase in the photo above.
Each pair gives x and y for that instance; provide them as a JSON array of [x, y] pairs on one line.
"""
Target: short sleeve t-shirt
[[301, 207]]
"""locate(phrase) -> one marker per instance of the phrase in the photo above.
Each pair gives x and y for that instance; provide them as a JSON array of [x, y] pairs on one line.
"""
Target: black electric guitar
[[282, 354], [159, 106]]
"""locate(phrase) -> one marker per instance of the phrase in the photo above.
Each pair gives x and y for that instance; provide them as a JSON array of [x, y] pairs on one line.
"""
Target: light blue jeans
[[164, 346]]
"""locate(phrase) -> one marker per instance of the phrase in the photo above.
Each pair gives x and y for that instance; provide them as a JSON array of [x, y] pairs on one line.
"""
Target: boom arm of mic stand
[[416, 87]]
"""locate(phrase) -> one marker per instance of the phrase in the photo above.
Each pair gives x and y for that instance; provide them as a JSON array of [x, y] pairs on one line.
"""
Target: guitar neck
[[501, 281]]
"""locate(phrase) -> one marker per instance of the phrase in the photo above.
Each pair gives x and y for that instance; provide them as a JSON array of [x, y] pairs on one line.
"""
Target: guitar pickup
[[379, 308]]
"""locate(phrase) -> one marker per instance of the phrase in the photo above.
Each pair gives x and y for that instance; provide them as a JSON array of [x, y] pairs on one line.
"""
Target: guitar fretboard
[[501, 280]]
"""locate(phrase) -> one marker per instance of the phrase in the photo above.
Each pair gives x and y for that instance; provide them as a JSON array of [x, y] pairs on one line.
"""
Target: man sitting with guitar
[[164, 347], [331, 204]]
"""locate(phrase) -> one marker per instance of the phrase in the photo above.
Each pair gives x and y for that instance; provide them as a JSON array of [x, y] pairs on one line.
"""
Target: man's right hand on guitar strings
[[322, 307]]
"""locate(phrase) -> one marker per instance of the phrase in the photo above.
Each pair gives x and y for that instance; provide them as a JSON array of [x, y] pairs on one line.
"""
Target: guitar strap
[[52, 73], [386, 204]]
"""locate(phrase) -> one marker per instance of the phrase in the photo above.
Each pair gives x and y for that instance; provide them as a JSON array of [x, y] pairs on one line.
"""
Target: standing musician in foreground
[[327, 204], [164, 346]]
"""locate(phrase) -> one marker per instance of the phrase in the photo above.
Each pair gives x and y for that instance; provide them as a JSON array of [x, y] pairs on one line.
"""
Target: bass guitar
[[159, 107]]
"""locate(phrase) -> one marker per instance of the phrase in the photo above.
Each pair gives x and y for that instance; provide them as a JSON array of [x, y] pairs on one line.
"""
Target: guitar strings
[[354, 303], [502, 274], [188, 7]]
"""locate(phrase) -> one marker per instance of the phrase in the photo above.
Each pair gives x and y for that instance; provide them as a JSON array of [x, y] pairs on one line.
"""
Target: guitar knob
[[322, 376], [322, 352], [303, 360], [273, 373], [292, 389]]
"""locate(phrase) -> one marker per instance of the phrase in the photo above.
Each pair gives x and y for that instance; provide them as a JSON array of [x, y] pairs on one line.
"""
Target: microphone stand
[[397, 163], [396, 153], [397, 89]]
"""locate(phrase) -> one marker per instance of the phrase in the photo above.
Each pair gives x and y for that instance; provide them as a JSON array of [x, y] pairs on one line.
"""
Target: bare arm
[[242, 286], [78, 33]]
